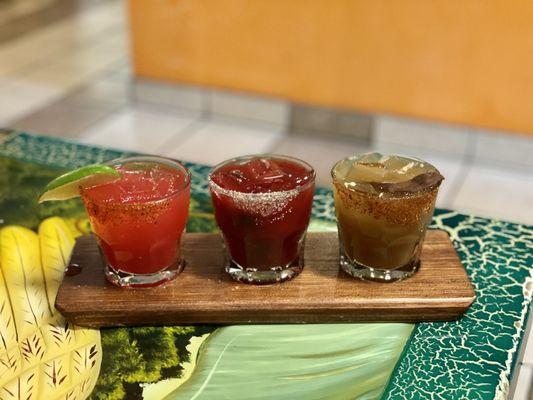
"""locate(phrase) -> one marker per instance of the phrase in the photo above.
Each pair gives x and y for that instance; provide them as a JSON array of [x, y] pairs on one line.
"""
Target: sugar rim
[[157, 160], [263, 195], [390, 195]]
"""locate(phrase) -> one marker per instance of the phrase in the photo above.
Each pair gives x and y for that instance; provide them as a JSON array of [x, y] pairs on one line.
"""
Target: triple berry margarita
[[139, 219], [262, 206]]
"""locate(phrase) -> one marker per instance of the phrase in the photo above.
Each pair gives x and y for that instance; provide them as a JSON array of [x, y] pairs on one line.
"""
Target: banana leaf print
[[335, 361]]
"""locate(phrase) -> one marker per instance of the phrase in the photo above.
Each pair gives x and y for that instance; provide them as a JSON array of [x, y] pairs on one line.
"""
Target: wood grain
[[322, 293]]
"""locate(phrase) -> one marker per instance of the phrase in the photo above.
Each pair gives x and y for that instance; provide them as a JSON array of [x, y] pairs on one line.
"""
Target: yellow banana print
[[42, 356], [56, 243], [21, 266]]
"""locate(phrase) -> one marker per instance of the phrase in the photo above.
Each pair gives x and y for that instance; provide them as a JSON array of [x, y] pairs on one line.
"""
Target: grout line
[[99, 121], [168, 110], [161, 108], [69, 89], [38, 18], [207, 103], [247, 122], [278, 142], [62, 95], [503, 165], [192, 128], [465, 166], [375, 145], [85, 42], [113, 69], [471, 145]]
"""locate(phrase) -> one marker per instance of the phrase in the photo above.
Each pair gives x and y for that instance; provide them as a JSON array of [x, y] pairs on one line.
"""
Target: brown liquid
[[383, 232]]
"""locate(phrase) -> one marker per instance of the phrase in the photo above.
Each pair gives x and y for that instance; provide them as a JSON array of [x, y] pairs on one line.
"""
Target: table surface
[[472, 358]]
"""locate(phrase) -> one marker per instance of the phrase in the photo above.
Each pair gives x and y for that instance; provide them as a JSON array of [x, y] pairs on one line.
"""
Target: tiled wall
[[389, 133], [487, 173]]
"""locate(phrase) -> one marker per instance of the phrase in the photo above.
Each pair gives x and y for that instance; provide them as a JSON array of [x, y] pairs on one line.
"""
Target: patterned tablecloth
[[473, 358]]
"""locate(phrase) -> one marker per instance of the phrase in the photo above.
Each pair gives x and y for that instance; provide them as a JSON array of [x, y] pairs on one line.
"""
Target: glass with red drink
[[139, 219], [262, 205]]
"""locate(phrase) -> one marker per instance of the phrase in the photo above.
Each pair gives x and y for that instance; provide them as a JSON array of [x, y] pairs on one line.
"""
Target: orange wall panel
[[466, 61]]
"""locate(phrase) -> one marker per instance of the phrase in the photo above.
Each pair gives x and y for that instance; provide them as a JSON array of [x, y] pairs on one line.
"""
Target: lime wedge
[[68, 185]]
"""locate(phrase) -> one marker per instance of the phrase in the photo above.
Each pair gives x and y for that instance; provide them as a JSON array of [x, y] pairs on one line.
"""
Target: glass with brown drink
[[383, 205]]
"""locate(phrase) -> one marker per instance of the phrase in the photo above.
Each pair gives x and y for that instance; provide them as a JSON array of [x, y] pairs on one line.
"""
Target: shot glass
[[139, 219], [262, 205], [384, 205]]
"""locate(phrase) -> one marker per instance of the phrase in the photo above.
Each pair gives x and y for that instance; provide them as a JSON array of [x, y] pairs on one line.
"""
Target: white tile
[[505, 148], [54, 75], [528, 353], [101, 91], [84, 27], [13, 61], [43, 42], [98, 56], [18, 98], [169, 94], [109, 13], [268, 110], [217, 141], [99, 26], [65, 71], [452, 170], [121, 72], [493, 191], [320, 152], [9, 10], [33, 47], [450, 166], [523, 387], [115, 40], [420, 134], [137, 130]]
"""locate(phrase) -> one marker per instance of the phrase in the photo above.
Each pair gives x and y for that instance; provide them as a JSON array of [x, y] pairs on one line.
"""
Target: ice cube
[[403, 169], [274, 173], [370, 158], [266, 170], [266, 163], [256, 168], [384, 174], [366, 172], [237, 176]]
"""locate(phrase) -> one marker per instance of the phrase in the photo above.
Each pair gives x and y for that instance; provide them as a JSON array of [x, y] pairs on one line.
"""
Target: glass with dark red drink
[[262, 205], [139, 220]]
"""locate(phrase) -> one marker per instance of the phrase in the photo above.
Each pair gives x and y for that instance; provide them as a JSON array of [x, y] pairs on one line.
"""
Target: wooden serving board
[[322, 293]]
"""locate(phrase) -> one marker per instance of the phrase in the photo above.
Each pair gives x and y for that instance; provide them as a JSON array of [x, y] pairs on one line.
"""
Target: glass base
[[131, 280], [380, 275], [264, 276]]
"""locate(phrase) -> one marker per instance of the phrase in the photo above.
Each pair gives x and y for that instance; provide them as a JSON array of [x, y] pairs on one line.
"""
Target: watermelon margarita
[[262, 206], [139, 219]]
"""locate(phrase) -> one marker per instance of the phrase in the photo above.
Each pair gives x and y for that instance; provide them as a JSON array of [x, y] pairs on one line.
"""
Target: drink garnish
[[68, 185]]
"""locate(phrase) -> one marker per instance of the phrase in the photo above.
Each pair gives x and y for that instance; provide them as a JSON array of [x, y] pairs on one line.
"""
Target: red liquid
[[140, 218], [263, 208]]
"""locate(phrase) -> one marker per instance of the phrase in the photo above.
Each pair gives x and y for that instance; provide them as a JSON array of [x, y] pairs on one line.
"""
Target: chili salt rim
[[261, 195]]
